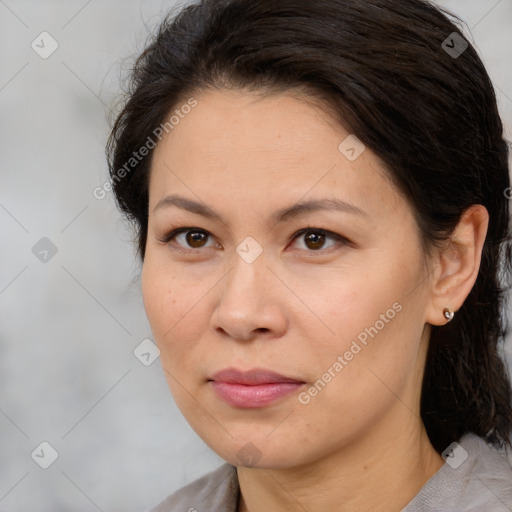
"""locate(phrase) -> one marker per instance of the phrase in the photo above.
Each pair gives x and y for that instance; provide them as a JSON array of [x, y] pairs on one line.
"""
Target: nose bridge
[[248, 271]]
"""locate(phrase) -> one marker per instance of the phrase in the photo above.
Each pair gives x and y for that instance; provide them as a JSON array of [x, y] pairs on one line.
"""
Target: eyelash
[[328, 234]]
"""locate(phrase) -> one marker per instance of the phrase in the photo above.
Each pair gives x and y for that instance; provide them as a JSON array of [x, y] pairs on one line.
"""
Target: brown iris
[[196, 238], [316, 239]]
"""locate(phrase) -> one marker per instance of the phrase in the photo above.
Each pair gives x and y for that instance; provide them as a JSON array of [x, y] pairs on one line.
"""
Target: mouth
[[253, 388]]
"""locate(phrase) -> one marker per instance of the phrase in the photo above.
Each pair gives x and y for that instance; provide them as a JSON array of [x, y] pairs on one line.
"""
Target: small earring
[[448, 314]]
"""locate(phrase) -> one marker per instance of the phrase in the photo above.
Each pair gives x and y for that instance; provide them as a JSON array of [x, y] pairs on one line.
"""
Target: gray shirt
[[474, 478]]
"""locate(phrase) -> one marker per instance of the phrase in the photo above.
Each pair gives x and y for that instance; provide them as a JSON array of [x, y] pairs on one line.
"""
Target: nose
[[249, 302]]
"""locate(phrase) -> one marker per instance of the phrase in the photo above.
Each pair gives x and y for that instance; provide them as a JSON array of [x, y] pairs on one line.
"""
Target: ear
[[456, 265]]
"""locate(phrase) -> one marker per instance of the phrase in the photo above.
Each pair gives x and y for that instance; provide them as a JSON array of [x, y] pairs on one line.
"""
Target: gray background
[[69, 326]]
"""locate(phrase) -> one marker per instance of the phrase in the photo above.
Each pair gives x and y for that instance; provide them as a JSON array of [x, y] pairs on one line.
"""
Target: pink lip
[[254, 388]]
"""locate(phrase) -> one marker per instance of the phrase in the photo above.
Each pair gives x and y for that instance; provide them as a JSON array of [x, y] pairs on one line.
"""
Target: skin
[[359, 444]]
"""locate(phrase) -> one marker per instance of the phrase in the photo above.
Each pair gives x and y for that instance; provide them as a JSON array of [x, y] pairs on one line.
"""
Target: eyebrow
[[289, 212]]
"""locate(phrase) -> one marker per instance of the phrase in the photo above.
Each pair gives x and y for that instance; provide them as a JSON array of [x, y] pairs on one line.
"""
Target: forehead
[[227, 122], [266, 147]]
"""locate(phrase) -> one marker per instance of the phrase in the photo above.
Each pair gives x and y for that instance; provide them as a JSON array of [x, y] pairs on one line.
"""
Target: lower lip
[[260, 395]]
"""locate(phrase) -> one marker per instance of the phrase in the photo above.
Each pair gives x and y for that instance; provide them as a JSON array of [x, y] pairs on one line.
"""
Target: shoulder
[[475, 477], [216, 491]]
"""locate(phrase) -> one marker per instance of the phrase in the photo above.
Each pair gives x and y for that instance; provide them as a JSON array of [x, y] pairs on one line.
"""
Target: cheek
[[348, 303], [368, 314], [173, 309], [157, 297], [167, 301]]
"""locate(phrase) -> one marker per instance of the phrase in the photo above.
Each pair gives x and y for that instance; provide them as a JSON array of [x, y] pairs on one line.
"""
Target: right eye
[[194, 238]]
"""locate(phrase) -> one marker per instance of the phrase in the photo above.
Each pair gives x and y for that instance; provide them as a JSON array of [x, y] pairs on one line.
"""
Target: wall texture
[[70, 307]]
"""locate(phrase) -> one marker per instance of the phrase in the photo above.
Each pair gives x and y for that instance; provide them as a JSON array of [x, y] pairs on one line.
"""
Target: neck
[[381, 471]]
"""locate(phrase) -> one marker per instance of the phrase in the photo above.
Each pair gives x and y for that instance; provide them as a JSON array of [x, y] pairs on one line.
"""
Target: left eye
[[314, 239]]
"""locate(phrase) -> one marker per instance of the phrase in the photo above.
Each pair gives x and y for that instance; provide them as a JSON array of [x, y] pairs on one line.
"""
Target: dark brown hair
[[385, 69]]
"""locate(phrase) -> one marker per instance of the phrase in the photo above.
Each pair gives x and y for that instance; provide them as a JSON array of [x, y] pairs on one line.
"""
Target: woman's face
[[270, 274]]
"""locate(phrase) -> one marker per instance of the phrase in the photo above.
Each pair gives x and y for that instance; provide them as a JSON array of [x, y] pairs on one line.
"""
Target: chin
[[252, 452]]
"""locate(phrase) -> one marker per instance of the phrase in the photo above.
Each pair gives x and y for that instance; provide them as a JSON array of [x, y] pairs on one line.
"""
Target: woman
[[320, 195]]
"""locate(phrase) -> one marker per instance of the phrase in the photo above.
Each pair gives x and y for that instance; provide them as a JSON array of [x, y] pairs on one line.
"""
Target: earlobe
[[457, 266]]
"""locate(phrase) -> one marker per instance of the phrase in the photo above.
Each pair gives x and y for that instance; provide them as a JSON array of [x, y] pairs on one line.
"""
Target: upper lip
[[251, 377]]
